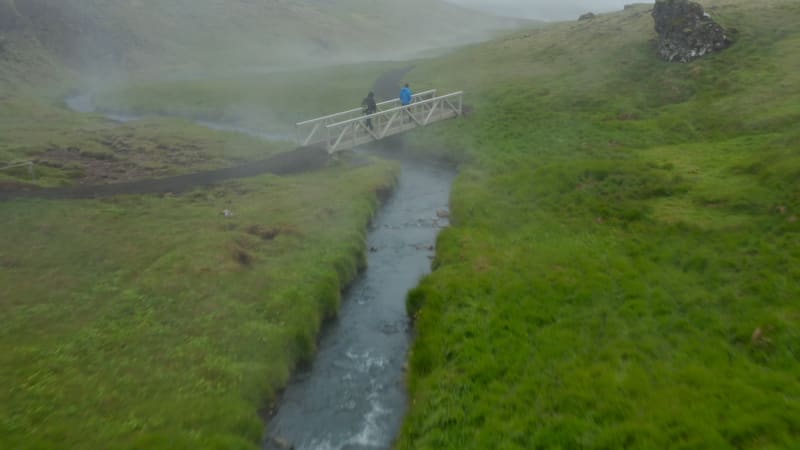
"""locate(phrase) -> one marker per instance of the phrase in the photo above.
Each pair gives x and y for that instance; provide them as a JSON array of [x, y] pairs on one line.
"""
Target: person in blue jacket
[[406, 95]]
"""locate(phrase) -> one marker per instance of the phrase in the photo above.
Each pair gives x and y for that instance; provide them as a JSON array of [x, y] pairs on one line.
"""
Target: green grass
[[623, 268], [156, 322]]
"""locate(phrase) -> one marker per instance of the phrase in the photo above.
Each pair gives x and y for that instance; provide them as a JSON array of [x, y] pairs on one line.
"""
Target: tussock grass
[[622, 272]]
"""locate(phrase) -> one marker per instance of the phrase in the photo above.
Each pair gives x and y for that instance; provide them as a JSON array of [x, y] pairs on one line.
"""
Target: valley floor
[[621, 270]]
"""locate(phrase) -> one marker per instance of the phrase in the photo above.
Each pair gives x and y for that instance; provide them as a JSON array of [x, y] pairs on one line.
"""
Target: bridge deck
[[351, 128]]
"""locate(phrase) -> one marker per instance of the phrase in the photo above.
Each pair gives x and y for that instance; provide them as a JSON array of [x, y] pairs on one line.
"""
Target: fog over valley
[[549, 10]]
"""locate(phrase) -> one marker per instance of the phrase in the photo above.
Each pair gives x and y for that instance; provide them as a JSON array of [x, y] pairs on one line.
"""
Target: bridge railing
[[312, 131], [357, 131]]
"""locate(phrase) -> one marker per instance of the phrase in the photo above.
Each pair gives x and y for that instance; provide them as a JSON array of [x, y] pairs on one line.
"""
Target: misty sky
[[546, 9]]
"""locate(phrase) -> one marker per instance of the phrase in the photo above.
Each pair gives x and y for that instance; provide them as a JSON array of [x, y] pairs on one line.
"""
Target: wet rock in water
[[686, 32], [442, 213], [279, 443], [587, 16]]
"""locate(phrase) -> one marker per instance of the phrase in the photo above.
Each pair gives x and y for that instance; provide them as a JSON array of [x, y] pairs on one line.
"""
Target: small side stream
[[84, 104], [353, 396]]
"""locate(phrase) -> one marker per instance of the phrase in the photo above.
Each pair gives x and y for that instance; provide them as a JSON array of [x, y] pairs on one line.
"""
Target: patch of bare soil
[[242, 257], [92, 168], [265, 233], [122, 157], [270, 233]]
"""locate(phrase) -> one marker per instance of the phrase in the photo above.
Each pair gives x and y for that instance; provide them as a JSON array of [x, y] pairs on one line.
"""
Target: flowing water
[[353, 396]]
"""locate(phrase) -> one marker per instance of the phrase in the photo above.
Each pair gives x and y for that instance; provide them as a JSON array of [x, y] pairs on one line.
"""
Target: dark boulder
[[686, 32], [278, 443], [587, 16]]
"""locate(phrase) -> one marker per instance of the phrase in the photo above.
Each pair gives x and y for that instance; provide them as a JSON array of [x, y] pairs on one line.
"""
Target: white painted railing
[[357, 131], [354, 129], [312, 131]]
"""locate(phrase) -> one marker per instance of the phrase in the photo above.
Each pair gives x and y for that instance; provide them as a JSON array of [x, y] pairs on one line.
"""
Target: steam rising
[[545, 9], [136, 35]]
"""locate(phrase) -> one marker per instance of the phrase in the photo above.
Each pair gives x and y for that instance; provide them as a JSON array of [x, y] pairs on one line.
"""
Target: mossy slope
[[622, 272]]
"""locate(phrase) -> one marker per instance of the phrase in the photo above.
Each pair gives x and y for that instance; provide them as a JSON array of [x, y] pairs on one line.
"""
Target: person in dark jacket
[[370, 107]]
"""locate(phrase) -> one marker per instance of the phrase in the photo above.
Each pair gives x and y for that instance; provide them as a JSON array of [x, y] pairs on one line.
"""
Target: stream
[[353, 395]]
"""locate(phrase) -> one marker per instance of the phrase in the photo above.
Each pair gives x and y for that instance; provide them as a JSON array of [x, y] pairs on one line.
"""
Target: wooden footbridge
[[349, 129]]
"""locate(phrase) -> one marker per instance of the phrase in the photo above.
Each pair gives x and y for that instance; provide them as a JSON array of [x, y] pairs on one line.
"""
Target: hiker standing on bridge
[[405, 99], [406, 95], [370, 107]]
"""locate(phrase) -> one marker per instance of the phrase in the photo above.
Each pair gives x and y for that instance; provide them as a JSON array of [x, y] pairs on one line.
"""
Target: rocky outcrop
[[686, 32], [587, 16]]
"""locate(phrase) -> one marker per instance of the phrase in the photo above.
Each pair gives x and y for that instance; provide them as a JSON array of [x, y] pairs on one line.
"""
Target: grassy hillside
[[144, 35], [623, 269]]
